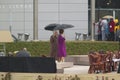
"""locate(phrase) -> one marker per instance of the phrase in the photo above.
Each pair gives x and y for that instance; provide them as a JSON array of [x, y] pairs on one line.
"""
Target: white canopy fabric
[[5, 36], [108, 16]]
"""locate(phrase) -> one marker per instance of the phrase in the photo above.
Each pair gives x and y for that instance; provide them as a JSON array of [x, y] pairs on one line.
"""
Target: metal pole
[[114, 14], [24, 17], [92, 18], [119, 42], [98, 3], [35, 19], [59, 11]]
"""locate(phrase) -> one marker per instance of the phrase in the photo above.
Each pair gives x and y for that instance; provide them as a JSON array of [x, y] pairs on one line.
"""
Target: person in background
[[116, 30], [107, 32], [96, 30], [99, 30], [111, 29], [23, 53], [2, 53], [104, 24], [10, 54], [53, 45], [61, 46]]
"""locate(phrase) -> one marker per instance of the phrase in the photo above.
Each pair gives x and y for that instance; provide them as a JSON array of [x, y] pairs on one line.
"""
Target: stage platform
[[65, 70], [71, 61], [61, 65], [78, 59]]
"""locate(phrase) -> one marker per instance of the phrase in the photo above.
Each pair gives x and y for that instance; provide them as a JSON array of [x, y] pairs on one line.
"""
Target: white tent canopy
[[5, 36]]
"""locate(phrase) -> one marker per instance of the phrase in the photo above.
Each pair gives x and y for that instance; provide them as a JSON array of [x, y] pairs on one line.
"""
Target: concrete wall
[[73, 12], [19, 15]]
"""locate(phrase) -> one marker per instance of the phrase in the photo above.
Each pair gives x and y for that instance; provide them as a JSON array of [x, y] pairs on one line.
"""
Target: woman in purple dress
[[61, 46]]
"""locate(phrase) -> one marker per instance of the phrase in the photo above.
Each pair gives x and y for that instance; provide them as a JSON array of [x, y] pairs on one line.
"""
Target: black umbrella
[[51, 27], [63, 26]]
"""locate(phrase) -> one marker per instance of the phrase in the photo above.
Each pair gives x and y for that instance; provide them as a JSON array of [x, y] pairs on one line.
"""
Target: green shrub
[[73, 47], [83, 47]]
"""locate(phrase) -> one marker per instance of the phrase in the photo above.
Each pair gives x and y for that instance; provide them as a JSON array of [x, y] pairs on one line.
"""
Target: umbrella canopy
[[63, 26], [107, 16], [52, 27]]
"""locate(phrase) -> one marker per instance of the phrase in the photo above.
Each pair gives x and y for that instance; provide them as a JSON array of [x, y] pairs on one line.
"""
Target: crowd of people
[[58, 46], [103, 61], [107, 30]]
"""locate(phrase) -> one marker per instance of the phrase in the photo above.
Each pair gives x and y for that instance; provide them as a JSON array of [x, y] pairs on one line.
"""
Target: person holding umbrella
[[61, 46], [53, 44]]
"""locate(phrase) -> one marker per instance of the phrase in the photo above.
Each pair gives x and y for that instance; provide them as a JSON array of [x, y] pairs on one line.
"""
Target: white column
[[92, 18], [35, 19]]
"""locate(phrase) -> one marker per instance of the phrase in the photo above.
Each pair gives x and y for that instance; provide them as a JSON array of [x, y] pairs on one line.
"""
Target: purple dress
[[61, 46]]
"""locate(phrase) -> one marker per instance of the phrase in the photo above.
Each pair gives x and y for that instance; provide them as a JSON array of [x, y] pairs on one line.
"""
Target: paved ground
[[80, 69], [76, 69]]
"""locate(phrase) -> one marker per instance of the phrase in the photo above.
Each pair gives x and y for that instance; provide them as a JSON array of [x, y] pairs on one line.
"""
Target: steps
[[72, 60], [78, 59], [62, 65]]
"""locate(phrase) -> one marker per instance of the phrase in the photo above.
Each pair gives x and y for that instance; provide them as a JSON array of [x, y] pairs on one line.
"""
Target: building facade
[[17, 16]]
